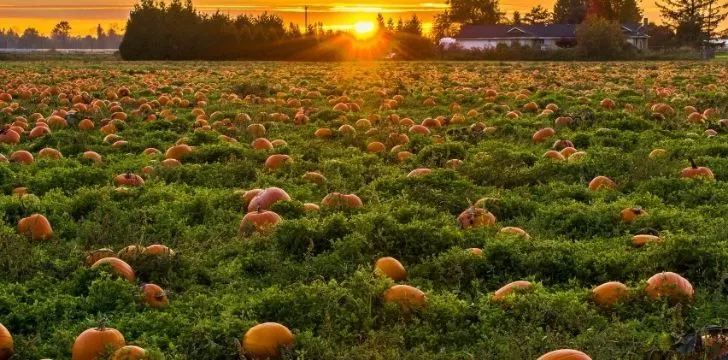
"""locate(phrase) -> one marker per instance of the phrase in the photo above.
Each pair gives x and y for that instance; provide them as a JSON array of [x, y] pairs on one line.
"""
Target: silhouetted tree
[[537, 15]]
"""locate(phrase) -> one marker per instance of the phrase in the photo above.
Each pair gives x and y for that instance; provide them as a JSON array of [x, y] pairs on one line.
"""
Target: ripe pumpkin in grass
[[265, 341], [130, 251], [419, 172], [118, 267], [128, 179], [97, 255], [277, 161], [314, 177], [564, 354], [36, 226], [405, 296], [607, 104], [339, 200], [93, 156], [554, 155], [311, 207], [178, 152], [262, 144], [9, 136], [322, 133], [694, 171], [22, 156], [656, 153], [158, 249], [601, 182], [154, 296], [512, 230], [643, 239], [86, 124], [475, 251], [376, 147], [260, 221], [129, 352], [171, 163], [151, 152], [543, 134], [94, 342], [49, 153], [6, 343], [249, 195], [474, 217], [669, 284], [391, 268], [266, 198], [609, 293], [509, 288], [630, 214]]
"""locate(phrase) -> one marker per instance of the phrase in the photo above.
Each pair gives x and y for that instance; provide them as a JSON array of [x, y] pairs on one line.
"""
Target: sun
[[363, 29]]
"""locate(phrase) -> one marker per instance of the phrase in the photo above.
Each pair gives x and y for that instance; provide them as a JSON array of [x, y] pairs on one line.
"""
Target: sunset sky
[[84, 15]]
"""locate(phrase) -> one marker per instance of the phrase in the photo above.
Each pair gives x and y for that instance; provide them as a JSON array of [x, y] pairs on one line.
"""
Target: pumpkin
[[609, 293], [554, 155], [86, 124], [405, 296], [512, 230], [36, 226], [130, 251], [338, 201], [642, 239], [656, 153], [419, 172], [509, 288], [629, 215], [171, 163], [129, 352], [568, 151], [117, 266], [178, 152], [266, 198], [376, 147], [128, 179], [22, 156], [693, 171], [475, 251], [564, 354], [607, 104], [94, 342], [9, 136], [314, 177], [601, 182], [6, 343], [260, 221], [262, 144], [454, 163], [251, 194], [563, 120], [543, 134], [277, 161], [97, 255], [158, 249], [562, 144], [154, 296], [322, 133], [151, 152], [402, 156], [391, 268], [265, 341], [256, 130], [49, 153], [93, 156], [669, 284], [311, 207], [474, 217]]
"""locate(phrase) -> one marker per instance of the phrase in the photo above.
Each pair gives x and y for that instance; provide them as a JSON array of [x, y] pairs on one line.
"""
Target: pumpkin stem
[[102, 324], [692, 162], [257, 209], [637, 209]]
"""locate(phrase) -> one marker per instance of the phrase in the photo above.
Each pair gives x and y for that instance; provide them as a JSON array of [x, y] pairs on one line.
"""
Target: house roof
[[534, 31]]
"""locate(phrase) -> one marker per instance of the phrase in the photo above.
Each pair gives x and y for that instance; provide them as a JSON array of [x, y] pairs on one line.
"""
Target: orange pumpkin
[[542, 135], [129, 352], [262, 144], [311, 207], [314, 177], [419, 172], [474, 217], [391, 268], [9, 136], [669, 284], [475, 251], [405, 296], [6, 343], [171, 163], [609, 293], [251, 194], [512, 230], [608, 104], [97, 255], [376, 147], [130, 251], [555, 155], [94, 342], [266, 198], [151, 152], [93, 156], [178, 152], [454, 163], [265, 341], [36, 226], [260, 221], [601, 182], [693, 171], [509, 288], [277, 161], [629, 215], [158, 249], [86, 124], [49, 153], [643, 239], [128, 179], [322, 133], [118, 267], [154, 296], [22, 156], [338, 200], [564, 354]]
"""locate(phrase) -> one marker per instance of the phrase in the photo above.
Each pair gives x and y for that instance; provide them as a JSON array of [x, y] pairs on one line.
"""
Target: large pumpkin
[[509, 288], [405, 296], [118, 267], [671, 285], [36, 226], [6, 343], [565, 354], [391, 268], [266, 340], [129, 352], [609, 293], [695, 171], [266, 198], [178, 152], [94, 342]]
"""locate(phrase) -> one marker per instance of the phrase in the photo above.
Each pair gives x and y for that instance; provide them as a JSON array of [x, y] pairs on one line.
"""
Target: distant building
[[540, 36]]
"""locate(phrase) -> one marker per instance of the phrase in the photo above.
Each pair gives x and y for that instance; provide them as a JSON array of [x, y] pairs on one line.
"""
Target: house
[[544, 36]]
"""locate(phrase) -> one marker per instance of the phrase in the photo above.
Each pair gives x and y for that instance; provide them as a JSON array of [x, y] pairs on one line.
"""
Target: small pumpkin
[[265, 341], [609, 293], [643, 239], [129, 352], [419, 172], [669, 284], [178, 152], [542, 135], [338, 200], [474, 217], [117, 266], [154, 296], [391, 268], [564, 354], [97, 255], [130, 251], [93, 156], [695, 171], [128, 179], [629, 215], [158, 249], [277, 161], [475, 251], [512, 230], [261, 144], [314, 177], [405, 296], [259, 221], [6, 343], [656, 153], [376, 147], [22, 156], [509, 288], [36, 226], [601, 182], [94, 342]]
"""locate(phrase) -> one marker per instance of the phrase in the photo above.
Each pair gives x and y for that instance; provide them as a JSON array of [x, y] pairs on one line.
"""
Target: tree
[[390, 24], [516, 19], [661, 36], [61, 33], [600, 39], [380, 22], [31, 39], [569, 11], [629, 12], [537, 15], [413, 26], [694, 21], [601, 8], [400, 24], [476, 12], [443, 25]]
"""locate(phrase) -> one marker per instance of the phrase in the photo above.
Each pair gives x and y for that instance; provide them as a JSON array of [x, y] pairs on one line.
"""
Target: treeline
[[60, 38], [177, 31]]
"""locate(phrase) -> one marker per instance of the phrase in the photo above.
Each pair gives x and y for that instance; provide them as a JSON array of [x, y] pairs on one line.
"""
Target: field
[[313, 271]]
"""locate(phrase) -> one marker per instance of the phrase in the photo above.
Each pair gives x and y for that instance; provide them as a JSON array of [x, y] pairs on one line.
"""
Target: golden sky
[[84, 15]]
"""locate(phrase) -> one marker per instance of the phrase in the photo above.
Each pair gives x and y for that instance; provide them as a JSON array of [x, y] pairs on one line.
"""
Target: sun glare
[[363, 29]]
